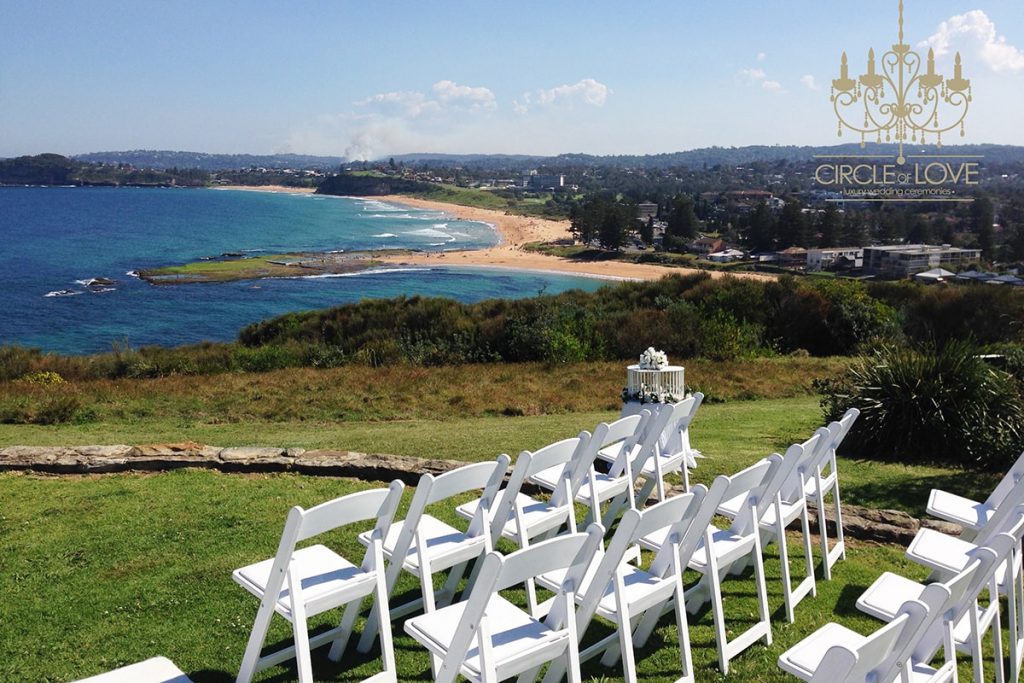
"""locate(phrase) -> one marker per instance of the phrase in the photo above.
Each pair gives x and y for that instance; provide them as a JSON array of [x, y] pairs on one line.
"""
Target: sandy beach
[[515, 231], [267, 188], [518, 230]]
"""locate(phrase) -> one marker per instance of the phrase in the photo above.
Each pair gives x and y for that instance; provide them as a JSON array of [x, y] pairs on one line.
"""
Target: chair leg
[[387, 646], [762, 587], [787, 586], [303, 658], [819, 503], [255, 645], [840, 538], [451, 584], [348, 620]]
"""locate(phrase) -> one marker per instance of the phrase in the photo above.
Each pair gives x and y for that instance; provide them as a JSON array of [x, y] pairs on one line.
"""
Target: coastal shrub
[[266, 358], [58, 410], [17, 361], [44, 377], [930, 403], [987, 314], [723, 337]]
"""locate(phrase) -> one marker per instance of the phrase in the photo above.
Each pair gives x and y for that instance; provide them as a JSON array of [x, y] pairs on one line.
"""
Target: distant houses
[[904, 260]]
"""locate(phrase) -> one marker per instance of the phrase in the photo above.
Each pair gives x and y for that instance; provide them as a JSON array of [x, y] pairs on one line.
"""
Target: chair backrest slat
[[480, 475], [1007, 483], [357, 507]]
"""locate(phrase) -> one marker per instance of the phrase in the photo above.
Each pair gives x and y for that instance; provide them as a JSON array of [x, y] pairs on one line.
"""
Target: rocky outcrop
[[883, 526], [161, 457]]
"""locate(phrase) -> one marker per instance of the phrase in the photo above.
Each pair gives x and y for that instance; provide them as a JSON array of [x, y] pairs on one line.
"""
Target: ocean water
[[54, 240]]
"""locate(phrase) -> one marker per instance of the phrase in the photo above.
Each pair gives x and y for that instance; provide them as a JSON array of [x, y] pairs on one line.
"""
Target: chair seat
[[548, 479], [790, 511], [887, 594], [446, 545], [959, 510], [155, 670], [516, 636], [327, 579], [612, 452], [726, 545], [940, 552], [669, 463], [803, 659], [538, 516], [811, 486]]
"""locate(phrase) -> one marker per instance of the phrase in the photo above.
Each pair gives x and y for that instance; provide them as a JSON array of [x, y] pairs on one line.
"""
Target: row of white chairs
[[298, 584], [947, 614]]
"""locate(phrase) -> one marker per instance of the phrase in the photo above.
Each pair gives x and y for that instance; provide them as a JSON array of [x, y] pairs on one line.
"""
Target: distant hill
[[162, 159], [694, 159], [54, 169], [710, 156]]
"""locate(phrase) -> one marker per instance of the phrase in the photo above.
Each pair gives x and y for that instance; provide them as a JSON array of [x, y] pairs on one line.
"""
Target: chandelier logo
[[900, 97]]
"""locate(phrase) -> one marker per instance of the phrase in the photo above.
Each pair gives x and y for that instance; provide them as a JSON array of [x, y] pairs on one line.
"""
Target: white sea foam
[[62, 292], [432, 232], [132, 273], [386, 234], [371, 271]]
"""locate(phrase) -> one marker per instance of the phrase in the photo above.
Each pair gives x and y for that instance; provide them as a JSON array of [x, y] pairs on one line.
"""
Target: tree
[[854, 230], [828, 226], [682, 222], [982, 218], [792, 228], [613, 226], [762, 228], [647, 231], [918, 230]]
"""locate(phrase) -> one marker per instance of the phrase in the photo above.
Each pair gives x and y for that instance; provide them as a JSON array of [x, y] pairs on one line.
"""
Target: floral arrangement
[[652, 359], [648, 394]]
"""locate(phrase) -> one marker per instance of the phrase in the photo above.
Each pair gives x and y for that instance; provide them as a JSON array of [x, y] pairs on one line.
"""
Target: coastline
[[285, 189], [513, 232]]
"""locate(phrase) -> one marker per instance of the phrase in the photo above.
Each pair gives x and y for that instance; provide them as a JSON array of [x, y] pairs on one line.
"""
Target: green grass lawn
[[102, 571], [732, 435]]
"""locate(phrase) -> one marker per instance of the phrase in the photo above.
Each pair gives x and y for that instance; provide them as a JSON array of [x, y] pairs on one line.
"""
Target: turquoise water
[[53, 240]]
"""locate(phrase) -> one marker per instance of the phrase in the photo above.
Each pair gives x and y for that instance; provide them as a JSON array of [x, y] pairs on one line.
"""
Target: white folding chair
[[154, 670], [664, 461], [719, 550], [946, 555], [782, 503], [521, 518], [970, 514], [421, 544], [836, 654], [298, 584], [824, 480], [487, 638], [633, 598], [590, 486], [971, 622]]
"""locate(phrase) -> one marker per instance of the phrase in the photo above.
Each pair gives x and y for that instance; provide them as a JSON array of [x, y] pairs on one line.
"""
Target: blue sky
[[369, 79]]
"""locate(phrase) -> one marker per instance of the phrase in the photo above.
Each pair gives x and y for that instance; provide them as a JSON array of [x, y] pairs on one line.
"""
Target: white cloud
[[809, 82], [974, 30], [444, 95], [586, 91], [474, 99], [758, 76], [754, 75], [761, 56]]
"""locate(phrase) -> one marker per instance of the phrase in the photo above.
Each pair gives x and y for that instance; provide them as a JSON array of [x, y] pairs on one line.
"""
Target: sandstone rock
[[242, 453], [119, 451]]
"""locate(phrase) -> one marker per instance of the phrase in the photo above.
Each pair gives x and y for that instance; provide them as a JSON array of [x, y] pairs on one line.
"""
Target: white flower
[[652, 359]]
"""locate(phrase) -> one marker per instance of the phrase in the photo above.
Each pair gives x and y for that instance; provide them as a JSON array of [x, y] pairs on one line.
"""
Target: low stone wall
[[884, 526]]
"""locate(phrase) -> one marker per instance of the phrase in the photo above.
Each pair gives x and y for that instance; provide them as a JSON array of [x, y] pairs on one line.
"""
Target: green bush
[[932, 403]]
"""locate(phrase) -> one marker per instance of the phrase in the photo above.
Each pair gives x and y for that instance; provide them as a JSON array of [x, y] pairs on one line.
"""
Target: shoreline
[[513, 232]]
